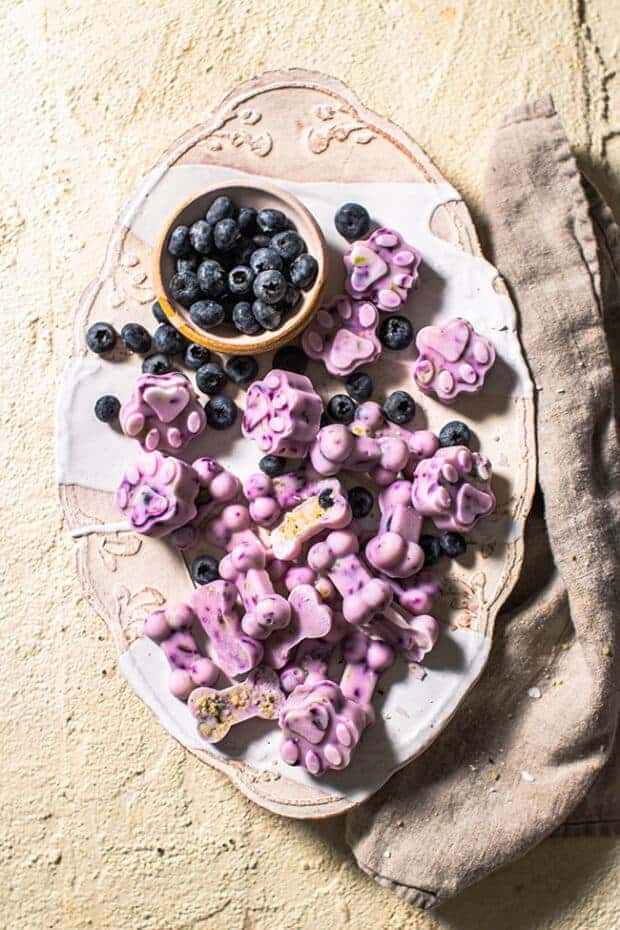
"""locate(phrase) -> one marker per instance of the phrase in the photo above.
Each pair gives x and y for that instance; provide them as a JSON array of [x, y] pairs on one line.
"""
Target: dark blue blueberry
[[207, 313], [453, 544], [326, 499], [399, 407], [265, 260], [243, 251], [288, 244], [195, 355], [188, 262], [168, 340], [244, 320], [246, 218], [290, 358], [361, 501], [158, 313], [241, 369], [359, 386], [101, 337], [261, 241], [273, 465], [269, 317], [240, 280], [271, 221], [303, 271], [221, 208], [291, 297], [432, 549], [226, 234], [341, 408], [136, 338], [204, 568], [211, 378], [454, 433], [201, 237], [156, 365], [270, 286], [396, 332], [184, 287], [352, 221], [179, 243], [211, 278], [221, 412], [107, 408]]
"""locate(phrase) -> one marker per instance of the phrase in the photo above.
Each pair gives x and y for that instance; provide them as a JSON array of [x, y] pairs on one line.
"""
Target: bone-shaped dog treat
[[217, 711], [217, 486], [303, 574], [326, 508], [311, 619], [172, 629], [453, 488], [337, 448], [395, 550], [416, 595], [269, 497], [282, 413], [362, 595], [216, 607], [365, 659], [370, 421], [266, 610], [453, 358], [382, 268], [413, 642], [157, 494], [230, 527], [343, 334], [163, 412]]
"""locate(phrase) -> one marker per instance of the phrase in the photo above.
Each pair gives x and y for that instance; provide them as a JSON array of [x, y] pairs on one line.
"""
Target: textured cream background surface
[[105, 822]]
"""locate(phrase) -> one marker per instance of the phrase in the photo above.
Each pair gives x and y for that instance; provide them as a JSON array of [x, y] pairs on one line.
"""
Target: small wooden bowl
[[226, 338]]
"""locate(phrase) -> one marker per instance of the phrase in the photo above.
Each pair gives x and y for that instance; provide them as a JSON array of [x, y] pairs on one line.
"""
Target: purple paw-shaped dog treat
[[416, 595], [215, 605], [282, 414], [453, 358], [382, 268], [259, 695], [327, 508], [395, 550], [343, 335], [311, 619], [172, 629], [157, 494], [336, 448], [371, 421], [453, 488], [163, 412], [217, 486], [266, 610], [413, 642]]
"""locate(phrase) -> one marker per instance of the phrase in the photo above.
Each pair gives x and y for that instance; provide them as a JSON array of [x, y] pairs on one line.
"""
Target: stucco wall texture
[[106, 822]]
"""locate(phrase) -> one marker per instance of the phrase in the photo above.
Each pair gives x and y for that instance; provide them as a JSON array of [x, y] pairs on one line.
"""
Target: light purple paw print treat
[[157, 494], [343, 335], [336, 448], [311, 619], [163, 412], [172, 629], [371, 421], [416, 595], [217, 486], [327, 508], [259, 695], [363, 595], [412, 642], [215, 605], [266, 610], [382, 268], [453, 359], [282, 414], [453, 488], [395, 550]]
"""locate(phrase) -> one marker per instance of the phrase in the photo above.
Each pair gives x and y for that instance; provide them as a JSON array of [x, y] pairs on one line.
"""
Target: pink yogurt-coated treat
[[163, 412], [382, 268], [412, 642], [217, 486], [269, 497], [362, 595], [311, 619], [453, 358], [172, 629], [303, 574], [343, 335], [336, 448], [230, 527], [366, 659], [370, 421], [245, 566], [416, 595], [215, 605], [453, 488], [326, 509], [282, 414], [395, 550], [259, 695], [157, 494]]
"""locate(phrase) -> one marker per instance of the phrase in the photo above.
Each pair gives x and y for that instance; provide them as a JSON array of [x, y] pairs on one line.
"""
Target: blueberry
[[211, 378], [303, 271], [136, 338], [244, 320], [242, 252], [188, 262], [359, 386], [158, 313], [241, 369], [291, 358], [361, 501], [396, 332], [211, 278], [221, 208], [246, 219], [352, 221], [269, 286], [107, 408], [431, 547], [240, 280], [273, 465], [271, 221], [207, 313], [454, 433], [341, 408], [179, 243], [201, 237], [288, 244], [399, 407], [291, 297], [221, 412], [453, 544], [326, 499], [226, 234], [265, 260], [261, 240], [184, 287], [156, 365], [269, 317], [195, 356], [168, 340], [204, 568], [101, 337]]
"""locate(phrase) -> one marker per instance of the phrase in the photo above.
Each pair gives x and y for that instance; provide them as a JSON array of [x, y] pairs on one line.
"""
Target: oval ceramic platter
[[309, 135]]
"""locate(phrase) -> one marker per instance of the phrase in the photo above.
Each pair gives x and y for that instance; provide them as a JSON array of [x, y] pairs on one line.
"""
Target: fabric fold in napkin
[[532, 749]]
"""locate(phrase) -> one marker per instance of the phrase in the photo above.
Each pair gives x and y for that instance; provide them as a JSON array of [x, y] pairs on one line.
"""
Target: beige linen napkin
[[532, 747]]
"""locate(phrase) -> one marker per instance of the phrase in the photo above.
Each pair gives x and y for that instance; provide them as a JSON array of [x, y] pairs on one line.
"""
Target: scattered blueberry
[[304, 270], [341, 408], [432, 549], [188, 262], [396, 332], [290, 358], [270, 286], [184, 287], [326, 499], [453, 544], [359, 386], [107, 408], [268, 317], [204, 568], [201, 237], [156, 365], [101, 337], [221, 412], [241, 369], [221, 208], [261, 240], [271, 221], [158, 313], [244, 320], [288, 244], [455, 433], [399, 407], [265, 260], [240, 280], [211, 278], [273, 465], [179, 243], [361, 501], [195, 356], [352, 221], [168, 340], [211, 378], [246, 220], [136, 338], [207, 313], [225, 234]]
